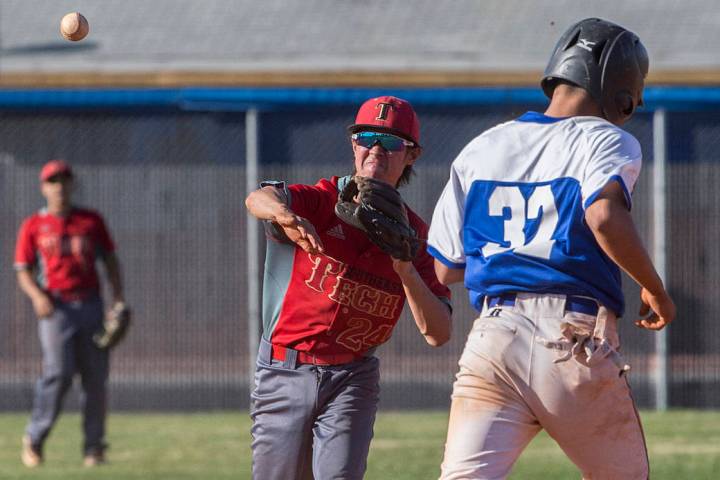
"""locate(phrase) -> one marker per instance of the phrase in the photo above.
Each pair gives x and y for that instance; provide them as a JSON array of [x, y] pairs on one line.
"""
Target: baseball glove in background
[[115, 326], [377, 208]]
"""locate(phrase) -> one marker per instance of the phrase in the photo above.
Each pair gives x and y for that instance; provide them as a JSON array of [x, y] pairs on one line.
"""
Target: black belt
[[573, 303], [70, 296]]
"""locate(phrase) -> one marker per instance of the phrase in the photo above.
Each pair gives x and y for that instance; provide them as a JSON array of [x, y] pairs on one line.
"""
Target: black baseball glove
[[377, 208], [115, 326]]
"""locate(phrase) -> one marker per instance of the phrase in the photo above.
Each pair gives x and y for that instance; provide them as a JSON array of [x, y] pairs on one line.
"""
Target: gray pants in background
[[312, 421], [67, 346]]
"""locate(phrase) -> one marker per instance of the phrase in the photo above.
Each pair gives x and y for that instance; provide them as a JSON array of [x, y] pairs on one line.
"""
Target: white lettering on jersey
[[501, 198], [541, 204], [327, 276]]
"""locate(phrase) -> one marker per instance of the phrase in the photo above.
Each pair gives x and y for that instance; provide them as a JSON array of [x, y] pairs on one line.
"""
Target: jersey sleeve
[[25, 249], [105, 244], [308, 201], [614, 156], [445, 241]]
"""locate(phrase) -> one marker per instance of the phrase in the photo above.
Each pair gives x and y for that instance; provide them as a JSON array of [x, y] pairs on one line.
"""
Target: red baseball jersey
[[346, 300], [64, 250]]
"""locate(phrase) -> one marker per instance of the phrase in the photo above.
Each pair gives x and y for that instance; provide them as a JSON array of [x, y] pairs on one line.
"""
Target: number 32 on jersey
[[528, 222]]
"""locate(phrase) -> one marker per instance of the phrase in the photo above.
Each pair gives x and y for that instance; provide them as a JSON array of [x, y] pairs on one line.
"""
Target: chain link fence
[[171, 185]]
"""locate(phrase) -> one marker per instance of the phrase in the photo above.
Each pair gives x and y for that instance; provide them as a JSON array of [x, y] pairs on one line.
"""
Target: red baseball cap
[[55, 167], [388, 114]]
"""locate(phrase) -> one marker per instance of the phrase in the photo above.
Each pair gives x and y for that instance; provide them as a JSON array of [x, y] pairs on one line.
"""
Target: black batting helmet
[[605, 59]]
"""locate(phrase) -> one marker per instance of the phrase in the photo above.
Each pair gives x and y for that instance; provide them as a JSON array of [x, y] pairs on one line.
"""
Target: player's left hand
[[661, 308], [115, 326], [377, 208]]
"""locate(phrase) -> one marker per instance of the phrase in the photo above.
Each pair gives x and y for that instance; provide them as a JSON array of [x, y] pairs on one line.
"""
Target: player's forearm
[[616, 234], [267, 203], [431, 315], [114, 277], [28, 284]]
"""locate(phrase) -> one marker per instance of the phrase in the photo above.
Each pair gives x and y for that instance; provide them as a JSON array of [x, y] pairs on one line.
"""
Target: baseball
[[74, 26]]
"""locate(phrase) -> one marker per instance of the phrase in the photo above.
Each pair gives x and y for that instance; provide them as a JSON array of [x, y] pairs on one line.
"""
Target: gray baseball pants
[[312, 421], [67, 346]]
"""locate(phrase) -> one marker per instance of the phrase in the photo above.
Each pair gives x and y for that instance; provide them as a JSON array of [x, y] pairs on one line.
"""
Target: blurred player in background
[[55, 263], [535, 220], [330, 298]]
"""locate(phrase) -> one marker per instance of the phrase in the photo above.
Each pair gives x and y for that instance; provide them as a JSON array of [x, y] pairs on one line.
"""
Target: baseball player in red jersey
[[330, 298], [55, 264]]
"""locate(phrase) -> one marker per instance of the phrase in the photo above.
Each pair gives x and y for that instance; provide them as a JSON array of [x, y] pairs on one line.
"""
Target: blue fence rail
[[238, 99]]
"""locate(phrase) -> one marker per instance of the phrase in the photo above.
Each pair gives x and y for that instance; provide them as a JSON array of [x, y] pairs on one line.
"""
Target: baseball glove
[[377, 208], [115, 326]]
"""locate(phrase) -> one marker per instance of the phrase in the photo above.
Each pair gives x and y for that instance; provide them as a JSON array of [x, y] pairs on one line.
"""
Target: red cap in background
[[388, 114], [54, 167]]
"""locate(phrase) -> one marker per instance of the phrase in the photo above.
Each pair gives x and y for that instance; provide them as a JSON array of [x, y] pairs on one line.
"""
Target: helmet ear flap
[[625, 104], [619, 108]]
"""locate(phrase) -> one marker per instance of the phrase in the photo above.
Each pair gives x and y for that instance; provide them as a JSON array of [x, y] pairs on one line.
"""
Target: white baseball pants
[[535, 365]]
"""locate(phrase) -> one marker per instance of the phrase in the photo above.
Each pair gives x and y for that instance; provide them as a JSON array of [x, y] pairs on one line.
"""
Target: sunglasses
[[391, 143]]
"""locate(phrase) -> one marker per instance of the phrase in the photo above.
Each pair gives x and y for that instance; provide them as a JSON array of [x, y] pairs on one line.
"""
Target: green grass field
[[209, 446]]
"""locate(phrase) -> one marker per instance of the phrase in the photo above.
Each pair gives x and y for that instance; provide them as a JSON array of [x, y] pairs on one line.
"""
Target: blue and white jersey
[[512, 213]]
